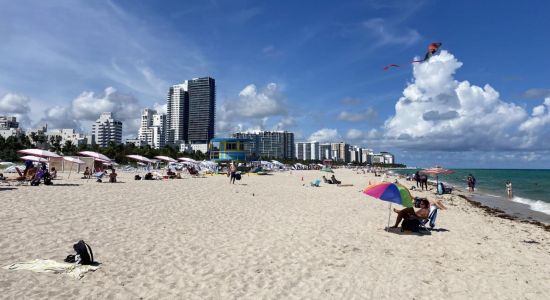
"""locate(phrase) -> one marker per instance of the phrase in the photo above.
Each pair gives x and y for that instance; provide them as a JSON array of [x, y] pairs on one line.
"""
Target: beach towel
[[51, 266]]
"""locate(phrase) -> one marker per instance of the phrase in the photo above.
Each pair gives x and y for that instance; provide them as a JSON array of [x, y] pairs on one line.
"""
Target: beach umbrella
[[140, 158], [72, 160], [33, 158], [186, 159], [392, 193], [436, 171], [165, 158], [327, 169], [38, 152], [95, 155]]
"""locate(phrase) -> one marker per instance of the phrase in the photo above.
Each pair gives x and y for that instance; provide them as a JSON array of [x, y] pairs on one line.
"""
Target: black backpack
[[85, 252]]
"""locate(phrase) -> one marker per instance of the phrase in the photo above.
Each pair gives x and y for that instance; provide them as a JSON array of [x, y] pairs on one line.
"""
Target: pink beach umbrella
[[165, 158], [186, 159], [39, 153], [33, 158], [72, 160], [140, 158], [436, 171], [95, 155]]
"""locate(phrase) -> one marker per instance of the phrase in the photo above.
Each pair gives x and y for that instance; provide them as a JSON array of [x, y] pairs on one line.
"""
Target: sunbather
[[327, 180], [87, 173], [334, 180], [112, 176], [410, 214]]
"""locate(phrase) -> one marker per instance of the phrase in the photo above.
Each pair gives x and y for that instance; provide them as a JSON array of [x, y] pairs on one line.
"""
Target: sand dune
[[266, 237]]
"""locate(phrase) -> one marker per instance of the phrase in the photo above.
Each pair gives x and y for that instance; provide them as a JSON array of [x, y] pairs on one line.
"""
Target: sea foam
[[536, 205]]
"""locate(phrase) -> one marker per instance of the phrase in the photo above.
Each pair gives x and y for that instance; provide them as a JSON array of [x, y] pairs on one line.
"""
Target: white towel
[[52, 266]]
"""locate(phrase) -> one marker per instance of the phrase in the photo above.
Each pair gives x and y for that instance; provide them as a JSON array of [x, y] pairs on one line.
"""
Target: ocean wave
[[536, 205]]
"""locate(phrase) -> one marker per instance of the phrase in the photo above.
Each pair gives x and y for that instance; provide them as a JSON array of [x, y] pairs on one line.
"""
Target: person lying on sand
[[409, 213]]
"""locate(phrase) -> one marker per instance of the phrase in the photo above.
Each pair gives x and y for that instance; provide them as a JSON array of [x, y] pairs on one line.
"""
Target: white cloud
[[59, 117], [364, 115], [536, 93], [253, 110], [354, 134], [437, 112], [88, 106], [390, 34], [325, 135], [16, 105]]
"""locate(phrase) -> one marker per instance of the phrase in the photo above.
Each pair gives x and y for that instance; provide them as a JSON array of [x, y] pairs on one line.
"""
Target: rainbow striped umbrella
[[392, 193]]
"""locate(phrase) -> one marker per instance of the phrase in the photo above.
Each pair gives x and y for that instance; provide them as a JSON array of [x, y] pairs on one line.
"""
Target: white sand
[[203, 238]]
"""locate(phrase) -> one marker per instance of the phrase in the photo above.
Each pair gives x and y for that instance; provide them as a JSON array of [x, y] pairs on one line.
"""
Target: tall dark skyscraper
[[191, 109], [202, 110]]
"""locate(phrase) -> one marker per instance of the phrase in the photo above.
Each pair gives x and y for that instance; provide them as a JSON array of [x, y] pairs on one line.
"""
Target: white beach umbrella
[[95, 155], [33, 158], [165, 158], [39, 152], [186, 159]]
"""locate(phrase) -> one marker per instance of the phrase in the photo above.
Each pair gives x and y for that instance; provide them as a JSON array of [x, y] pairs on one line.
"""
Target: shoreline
[[498, 205]]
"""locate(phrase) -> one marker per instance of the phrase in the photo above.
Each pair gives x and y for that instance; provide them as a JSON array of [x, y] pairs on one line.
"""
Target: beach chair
[[316, 183], [431, 218], [98, 176]]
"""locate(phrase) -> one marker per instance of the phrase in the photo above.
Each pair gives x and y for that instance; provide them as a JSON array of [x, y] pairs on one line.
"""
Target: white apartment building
[[106, 129], [308, 151], [153, 128], [68, 135]]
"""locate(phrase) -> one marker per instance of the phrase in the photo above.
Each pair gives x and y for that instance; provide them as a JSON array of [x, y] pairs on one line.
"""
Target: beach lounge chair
[[316, 183], [98, 176]]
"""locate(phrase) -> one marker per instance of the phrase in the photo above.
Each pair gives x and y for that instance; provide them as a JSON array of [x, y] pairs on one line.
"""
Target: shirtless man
[[409, 213]]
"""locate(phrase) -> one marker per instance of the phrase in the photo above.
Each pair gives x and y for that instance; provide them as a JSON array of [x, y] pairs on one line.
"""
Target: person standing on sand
[[509, 189], [232, 172]]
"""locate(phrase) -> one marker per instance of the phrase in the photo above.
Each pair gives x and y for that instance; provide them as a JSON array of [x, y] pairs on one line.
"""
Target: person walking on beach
[[232, 173], [509, 189]]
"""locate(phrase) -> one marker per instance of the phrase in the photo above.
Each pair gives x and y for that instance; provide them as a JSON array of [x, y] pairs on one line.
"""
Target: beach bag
[[410, 225], [238, 176], [137, 177], [85, 252]]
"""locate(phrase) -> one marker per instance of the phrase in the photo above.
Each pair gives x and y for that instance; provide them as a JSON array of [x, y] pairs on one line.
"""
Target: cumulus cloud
[[16, 105], [87, 107], [359, 116], [59, 117], [325, 135], [254, 109], [437, 112]]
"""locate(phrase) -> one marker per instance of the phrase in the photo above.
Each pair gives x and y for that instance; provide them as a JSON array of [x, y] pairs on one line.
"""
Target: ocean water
[[530, 187]]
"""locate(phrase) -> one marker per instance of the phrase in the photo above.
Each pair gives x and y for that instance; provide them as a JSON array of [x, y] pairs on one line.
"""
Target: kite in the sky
[[390, 65], [432, 49]]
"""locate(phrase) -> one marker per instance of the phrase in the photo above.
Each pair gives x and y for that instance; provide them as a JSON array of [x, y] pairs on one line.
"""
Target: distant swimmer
[[509, 189]]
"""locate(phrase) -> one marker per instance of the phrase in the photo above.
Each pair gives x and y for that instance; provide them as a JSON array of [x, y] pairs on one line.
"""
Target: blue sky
[[311, 67]]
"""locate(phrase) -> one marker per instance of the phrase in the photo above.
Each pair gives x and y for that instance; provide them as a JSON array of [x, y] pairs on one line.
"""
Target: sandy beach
[[267, 237]]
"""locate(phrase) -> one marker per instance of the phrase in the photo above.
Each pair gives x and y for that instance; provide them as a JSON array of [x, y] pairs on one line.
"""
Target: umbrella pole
[[389, 215], [69, 170]]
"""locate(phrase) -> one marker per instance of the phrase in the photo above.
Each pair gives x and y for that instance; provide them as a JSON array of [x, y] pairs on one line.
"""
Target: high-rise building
[[67, 135], [325, 151], [191, 109], [106, 129], [8, 123], [340, 151], [308, 151], [268, 144], [153, 128], [202, 110], [177, 114]]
